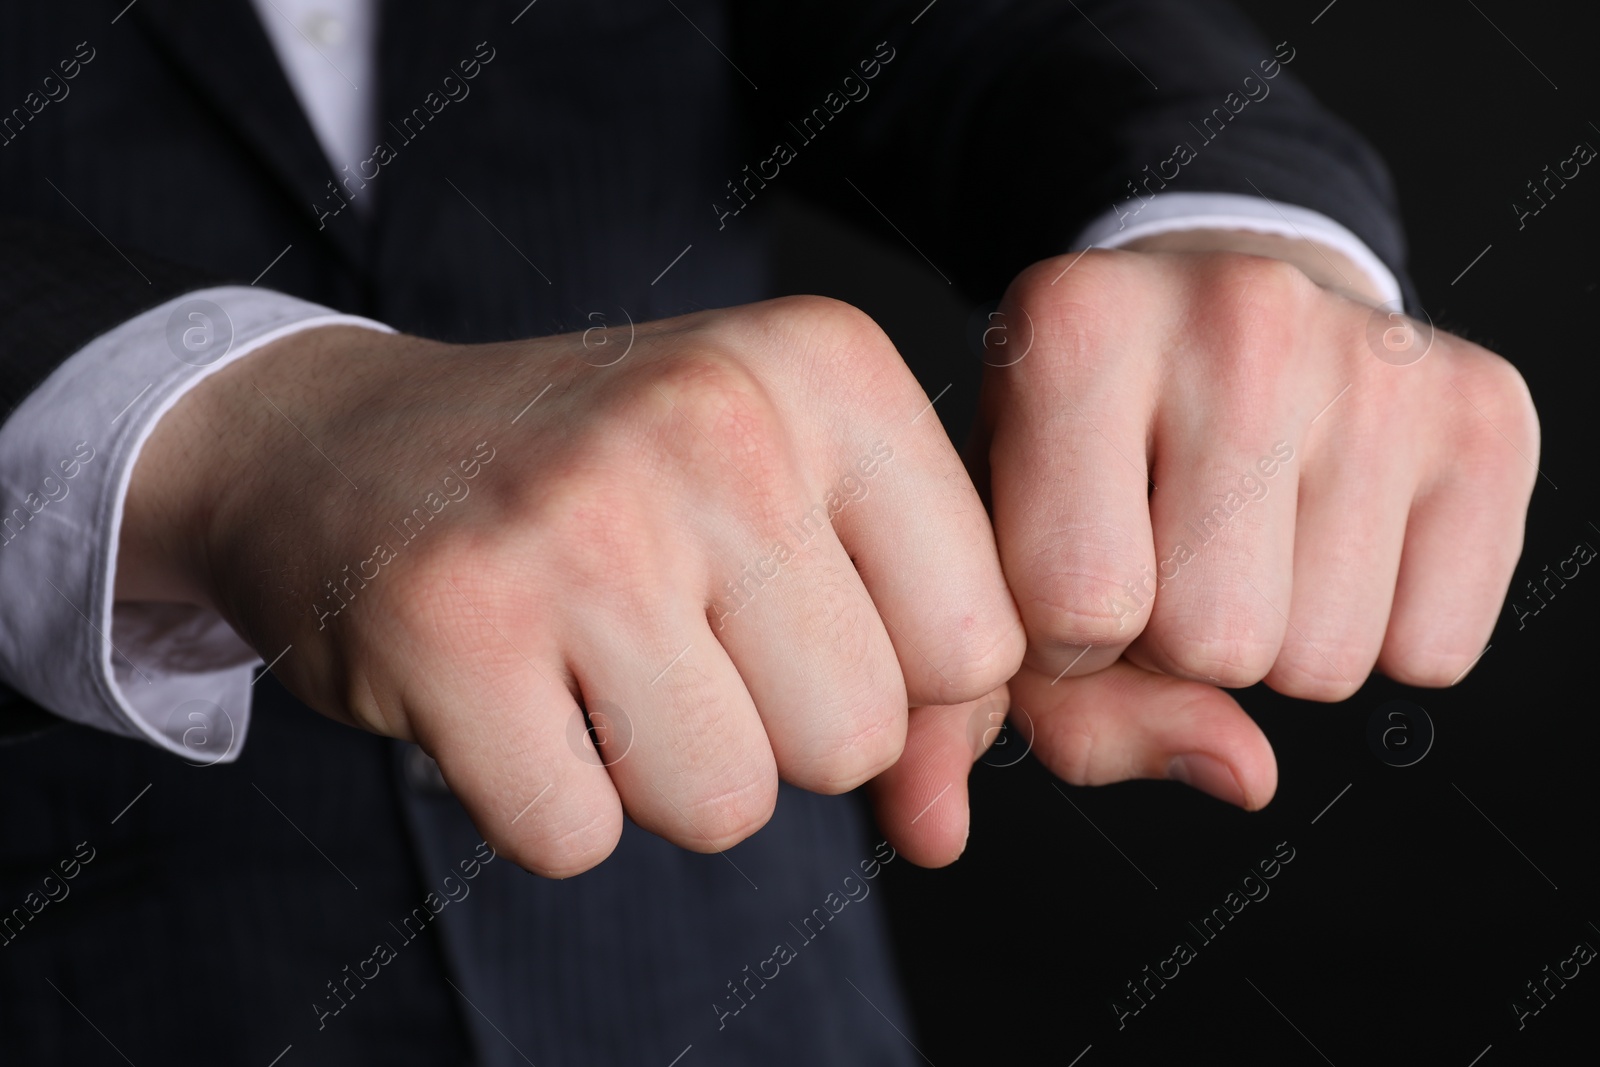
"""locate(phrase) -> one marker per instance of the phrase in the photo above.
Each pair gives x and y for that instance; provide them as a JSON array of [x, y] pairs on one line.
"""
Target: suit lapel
[[222, 48]]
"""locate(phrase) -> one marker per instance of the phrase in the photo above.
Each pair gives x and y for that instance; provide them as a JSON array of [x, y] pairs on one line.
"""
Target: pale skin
[[587, 564]]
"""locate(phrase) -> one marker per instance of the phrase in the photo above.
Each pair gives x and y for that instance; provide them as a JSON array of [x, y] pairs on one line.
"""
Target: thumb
[[1125, 722], [921, 801]]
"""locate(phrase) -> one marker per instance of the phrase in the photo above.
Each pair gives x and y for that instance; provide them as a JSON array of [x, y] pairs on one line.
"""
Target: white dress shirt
[[180, 678]]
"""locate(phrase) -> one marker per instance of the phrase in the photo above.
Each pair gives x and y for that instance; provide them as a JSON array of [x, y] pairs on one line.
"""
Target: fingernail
[[1207, 774]]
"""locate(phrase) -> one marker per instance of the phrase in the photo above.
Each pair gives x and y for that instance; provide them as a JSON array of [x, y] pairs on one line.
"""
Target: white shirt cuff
[[176, 676], [1170, 212]]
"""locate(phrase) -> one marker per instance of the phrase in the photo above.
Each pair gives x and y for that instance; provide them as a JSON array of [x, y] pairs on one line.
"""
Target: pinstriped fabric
[[219, 904], [631, 962]]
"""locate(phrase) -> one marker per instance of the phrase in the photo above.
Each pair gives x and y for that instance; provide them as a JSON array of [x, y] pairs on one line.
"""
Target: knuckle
[[698, 427], [856, 730], [980, 663], [818, 323], [1086, 276], [826, 309], [567, 851], [1069, 621], [879, 738], [1076, 308], [717, 394], [1232, 662], [1503, 403], [1328, 673], [1072, 608], [1256, 283], [1253, 313], [719, 818], [1068, 749], [873, 738], [836, 346], [1429, 668], [798, 317]]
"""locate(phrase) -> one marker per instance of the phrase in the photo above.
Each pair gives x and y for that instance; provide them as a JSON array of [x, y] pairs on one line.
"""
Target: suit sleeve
[[61, 288], [999, 130]]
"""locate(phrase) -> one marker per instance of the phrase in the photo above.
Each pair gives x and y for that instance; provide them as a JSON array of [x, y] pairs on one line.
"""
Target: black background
[[1418, 905]]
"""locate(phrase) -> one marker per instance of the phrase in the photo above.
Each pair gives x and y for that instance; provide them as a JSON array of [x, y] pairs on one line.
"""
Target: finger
[[921, 801], [907, 514], [1071, 490], [806, 639], [885, 475], [493, 709], [1344, 572], [1463, 541], [692, 763], [1125, 722], [1224, 519], [1072, 516]]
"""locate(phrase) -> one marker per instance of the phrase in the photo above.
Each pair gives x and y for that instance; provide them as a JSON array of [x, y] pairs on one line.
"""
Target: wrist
[[1328, 267], [201, 460]]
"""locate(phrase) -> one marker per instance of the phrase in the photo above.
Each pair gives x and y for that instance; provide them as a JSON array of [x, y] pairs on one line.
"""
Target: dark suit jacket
[[228, 912]]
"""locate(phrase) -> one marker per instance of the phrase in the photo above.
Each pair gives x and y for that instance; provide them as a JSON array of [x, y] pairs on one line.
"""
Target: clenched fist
[[744, 546], [1207, 470]]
